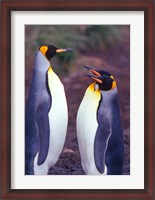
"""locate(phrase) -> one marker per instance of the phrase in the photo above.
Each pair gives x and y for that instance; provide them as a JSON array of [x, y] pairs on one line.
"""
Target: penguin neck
[[109, 97], [41, 64], [110, 94], [40, 71]]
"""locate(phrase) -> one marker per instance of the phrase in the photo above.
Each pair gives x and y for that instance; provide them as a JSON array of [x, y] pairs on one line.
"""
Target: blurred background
[[106, 47]]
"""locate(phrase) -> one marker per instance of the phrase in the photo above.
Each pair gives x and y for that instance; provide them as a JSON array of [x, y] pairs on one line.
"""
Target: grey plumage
[[38, 104], [108, 145]]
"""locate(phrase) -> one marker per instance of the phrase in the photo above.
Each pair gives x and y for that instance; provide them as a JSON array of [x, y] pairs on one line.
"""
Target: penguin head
[[50, 50], [103, 78]]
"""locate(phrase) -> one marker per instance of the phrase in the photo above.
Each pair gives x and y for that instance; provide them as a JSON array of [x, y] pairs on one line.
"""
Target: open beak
[[95, 76], [93, 70], [61, 50]]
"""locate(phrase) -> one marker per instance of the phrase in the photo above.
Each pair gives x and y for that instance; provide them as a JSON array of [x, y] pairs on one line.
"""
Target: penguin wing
[[101, 143], [43, 131]]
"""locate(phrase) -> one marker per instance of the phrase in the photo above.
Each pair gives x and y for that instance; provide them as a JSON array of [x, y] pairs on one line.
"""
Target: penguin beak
[[96, 75], [95, 78], [93, 70], [60, 50]]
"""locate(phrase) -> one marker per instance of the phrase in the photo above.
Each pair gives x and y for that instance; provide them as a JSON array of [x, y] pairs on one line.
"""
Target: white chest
[[86, 128], [58, 117]]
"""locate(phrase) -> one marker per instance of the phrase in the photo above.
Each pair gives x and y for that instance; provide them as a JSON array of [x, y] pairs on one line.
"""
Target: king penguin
[[99, 129], [46, 115]]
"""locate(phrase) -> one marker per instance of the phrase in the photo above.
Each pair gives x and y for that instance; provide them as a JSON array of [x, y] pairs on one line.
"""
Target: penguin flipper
[[43, 132], [101, 143]]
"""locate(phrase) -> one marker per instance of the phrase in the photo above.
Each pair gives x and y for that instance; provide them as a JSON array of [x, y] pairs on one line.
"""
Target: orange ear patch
[[43, 49], [112, 77], [113, 85]]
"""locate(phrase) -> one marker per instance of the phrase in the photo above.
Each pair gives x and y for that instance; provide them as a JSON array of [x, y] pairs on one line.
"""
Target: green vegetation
[[84, 39]]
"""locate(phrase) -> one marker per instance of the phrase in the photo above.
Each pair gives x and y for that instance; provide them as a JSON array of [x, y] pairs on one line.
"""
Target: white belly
[[86, 129], [58, 119]]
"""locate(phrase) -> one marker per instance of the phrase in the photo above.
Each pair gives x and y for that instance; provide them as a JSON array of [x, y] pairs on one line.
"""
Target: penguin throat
[[96, 87]]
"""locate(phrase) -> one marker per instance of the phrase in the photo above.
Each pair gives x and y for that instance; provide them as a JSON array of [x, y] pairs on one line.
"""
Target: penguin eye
[[43, 50]]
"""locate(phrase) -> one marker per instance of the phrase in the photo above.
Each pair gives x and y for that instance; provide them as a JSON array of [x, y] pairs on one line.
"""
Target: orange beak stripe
[[97, 80], [95, 72], [60, 50]]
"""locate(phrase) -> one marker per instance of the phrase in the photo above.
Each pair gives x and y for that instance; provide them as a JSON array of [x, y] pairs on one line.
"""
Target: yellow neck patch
[[91, 88], [50, 70], [50, 78], [43, 49], [92, 91]]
